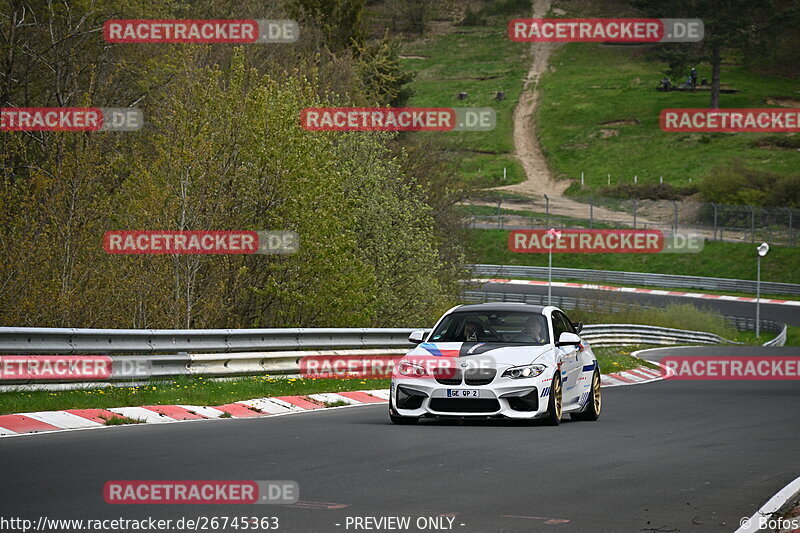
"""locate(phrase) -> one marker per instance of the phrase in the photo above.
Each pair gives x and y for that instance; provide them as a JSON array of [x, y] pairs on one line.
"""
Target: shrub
[[735, 183], [472, 18], [648, 191]]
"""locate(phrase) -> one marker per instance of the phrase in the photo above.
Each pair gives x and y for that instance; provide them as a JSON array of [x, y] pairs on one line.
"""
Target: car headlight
[[527, 371], [410, 369]]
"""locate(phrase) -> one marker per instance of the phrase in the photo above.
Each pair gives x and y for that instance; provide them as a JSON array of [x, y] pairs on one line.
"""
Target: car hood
[[495, 353]]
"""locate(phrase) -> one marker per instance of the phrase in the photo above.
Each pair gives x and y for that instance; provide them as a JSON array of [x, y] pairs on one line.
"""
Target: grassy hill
[[718, 259], [599, 115], [479, 60], [599, 105]]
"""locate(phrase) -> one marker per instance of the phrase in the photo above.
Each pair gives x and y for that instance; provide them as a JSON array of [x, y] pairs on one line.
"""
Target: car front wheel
[[401, 420], [553, 417]]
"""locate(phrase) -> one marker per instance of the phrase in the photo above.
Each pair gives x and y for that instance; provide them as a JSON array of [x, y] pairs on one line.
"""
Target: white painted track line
[[208, 412], [378, 393], [62, 419], [266, 406], [772, 506], [329, 397], [140, 413]]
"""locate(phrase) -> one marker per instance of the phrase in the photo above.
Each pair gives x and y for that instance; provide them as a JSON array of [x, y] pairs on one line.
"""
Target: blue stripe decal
[[431, 348], [587, 368]]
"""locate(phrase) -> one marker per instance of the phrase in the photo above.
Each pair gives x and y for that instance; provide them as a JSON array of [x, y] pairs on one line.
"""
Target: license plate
[[463, 393]]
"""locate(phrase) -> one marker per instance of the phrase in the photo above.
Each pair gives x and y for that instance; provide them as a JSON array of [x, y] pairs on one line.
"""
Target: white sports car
[[497, 360]]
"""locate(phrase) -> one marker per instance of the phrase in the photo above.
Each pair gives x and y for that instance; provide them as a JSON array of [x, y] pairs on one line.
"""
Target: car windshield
[[513, 327]]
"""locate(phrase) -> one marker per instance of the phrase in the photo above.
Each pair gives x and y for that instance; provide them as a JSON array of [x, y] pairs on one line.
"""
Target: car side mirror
[[416, 336], [578, 326], [568, 339]]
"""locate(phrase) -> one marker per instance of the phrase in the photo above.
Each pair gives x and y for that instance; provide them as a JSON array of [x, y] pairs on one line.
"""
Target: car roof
[[501, 306]]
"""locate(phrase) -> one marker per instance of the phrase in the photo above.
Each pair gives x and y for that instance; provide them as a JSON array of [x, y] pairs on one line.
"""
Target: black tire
[[401, 420], [592, 410], [554, 402]]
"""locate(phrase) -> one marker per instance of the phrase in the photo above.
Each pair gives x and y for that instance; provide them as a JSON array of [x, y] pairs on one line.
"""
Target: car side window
[[567, 323], [561, 324], [558, 327]]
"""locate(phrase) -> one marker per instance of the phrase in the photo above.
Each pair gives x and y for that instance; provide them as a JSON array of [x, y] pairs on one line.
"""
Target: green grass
[[487, 170], [184, 390], [593, 84], [679, 316], [793, 336], [122, 420], [718, 259], [619, 358], [478, 60], [337, 403]]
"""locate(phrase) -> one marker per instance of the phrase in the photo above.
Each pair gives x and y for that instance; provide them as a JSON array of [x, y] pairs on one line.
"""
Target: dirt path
[[539, 179], [526, 143]]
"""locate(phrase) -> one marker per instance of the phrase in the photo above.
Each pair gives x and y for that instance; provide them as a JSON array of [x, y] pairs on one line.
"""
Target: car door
[[569, 357]]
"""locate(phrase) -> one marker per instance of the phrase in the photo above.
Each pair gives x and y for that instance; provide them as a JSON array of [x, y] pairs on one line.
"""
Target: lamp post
[[762, 251], [553, 236]]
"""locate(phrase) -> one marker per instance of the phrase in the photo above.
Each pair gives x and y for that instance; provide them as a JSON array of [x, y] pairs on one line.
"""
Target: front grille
[[464, 405], [447, 376], [479, 376]]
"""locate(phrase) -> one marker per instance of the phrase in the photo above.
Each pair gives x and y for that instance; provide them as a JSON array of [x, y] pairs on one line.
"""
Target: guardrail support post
[[635, 206], [591, 212], [715, 219], [752, 225]]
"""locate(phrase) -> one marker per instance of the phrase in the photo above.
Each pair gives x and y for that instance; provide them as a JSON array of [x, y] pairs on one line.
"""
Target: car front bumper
[[525, 398]]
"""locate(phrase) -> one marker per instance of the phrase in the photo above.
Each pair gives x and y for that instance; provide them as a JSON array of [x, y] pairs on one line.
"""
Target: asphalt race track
[[665, 456], [779, 313]]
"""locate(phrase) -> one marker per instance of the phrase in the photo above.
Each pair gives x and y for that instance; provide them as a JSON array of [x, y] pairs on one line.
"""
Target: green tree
[[729, 26], [384, 80], [341, 21]]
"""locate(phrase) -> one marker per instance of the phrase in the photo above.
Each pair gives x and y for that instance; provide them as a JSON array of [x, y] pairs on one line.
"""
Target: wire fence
[[716, 222]]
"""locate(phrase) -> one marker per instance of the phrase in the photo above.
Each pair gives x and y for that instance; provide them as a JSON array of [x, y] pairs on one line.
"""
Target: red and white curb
[[636, 376], [73, 419], [658, 292]]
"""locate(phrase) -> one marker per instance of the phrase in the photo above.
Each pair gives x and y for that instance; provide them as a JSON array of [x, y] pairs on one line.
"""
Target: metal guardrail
[[632, 334], [106, 341], [668, 281], [741, 323], [128, 369], [780, 339]]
